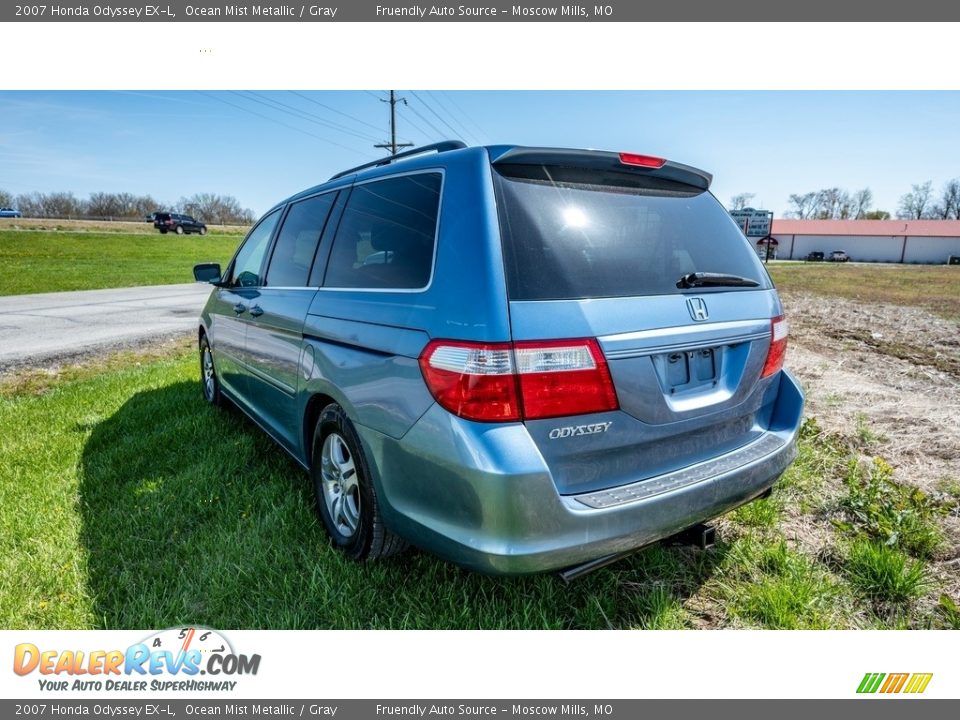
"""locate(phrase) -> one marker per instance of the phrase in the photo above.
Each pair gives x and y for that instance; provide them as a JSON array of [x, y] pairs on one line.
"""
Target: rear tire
[[179, 230], [163, 232], [346, 499]]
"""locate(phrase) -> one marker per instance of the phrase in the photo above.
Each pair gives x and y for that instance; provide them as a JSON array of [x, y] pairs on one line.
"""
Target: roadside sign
[[754, 223]]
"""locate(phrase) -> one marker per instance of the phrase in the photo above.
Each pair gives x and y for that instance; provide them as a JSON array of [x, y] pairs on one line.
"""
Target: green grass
[[769, 584], [885, 574], [49, 261], [109, 519], [894, 514], [935, 287]]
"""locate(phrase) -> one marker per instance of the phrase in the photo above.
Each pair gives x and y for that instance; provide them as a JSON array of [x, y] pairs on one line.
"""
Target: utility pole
[[393, 144]]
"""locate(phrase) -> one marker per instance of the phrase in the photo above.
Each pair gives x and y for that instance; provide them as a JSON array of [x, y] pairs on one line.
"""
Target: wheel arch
[[311, 414]]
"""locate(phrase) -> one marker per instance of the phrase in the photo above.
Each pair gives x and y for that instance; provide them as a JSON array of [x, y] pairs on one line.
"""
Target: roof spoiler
[[599, 160], [436, 147]]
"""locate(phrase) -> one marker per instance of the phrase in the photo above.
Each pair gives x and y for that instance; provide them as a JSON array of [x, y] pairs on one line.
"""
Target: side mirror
[[207, 272]]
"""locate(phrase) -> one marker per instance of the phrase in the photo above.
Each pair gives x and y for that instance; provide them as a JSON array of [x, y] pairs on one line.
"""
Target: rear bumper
[[481, 495]]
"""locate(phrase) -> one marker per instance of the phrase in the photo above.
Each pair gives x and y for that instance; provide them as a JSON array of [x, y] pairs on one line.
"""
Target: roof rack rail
[[438, 147]]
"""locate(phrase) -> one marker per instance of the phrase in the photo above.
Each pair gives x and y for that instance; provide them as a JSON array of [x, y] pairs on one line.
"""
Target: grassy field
[[52, 260], [934, 287], [126, 227], [108, 519]]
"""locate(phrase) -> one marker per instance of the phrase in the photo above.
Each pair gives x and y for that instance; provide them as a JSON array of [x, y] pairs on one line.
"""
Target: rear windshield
[[573, 234]]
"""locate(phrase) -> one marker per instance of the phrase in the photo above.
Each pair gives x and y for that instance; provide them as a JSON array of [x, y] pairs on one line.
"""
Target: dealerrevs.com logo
[[181, 659], [892, 683]]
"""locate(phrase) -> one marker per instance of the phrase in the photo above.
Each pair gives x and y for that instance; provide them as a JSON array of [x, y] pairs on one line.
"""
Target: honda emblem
[[697, 308]]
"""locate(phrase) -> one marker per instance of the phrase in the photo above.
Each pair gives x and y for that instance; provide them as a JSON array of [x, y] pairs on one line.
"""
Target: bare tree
[[64, 204], [803, 206], [948, 207], [862, 200], [833, 204], [215, 208], [739, 202], [219, 209], [6, 199], [915, 205], [103, 205]]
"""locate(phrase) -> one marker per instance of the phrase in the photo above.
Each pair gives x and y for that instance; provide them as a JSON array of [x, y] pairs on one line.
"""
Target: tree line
[[835, 203], [208, 207]]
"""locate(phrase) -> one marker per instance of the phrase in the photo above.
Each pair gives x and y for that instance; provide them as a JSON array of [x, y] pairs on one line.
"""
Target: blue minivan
[[520, 359]]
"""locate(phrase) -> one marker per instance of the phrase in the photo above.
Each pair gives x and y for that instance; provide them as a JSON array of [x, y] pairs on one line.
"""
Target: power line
[[414, 125], [436, 98], [439, 133], [466, 115], [278, 122], [331, 109], [302, 114], [455, 133]]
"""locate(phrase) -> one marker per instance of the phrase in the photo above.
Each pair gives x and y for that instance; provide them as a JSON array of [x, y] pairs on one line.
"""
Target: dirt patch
[[887, 377], [887, 374]]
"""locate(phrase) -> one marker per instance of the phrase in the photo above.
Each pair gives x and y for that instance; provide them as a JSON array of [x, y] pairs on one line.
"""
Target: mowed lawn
[[127, 502], [934, 287], [36, 261]]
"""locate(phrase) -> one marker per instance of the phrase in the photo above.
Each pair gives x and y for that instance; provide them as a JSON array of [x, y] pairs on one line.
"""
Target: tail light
[[779, 329], [508, 382]]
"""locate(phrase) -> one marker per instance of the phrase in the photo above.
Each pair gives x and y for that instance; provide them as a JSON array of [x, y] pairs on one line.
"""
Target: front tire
[[346, 499], [209, 383], [203, 231]]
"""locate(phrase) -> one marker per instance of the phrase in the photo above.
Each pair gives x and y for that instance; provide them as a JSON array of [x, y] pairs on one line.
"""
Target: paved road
[[35, 328]]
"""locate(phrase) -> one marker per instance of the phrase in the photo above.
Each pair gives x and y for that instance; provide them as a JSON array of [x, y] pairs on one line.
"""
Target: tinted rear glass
[[573, 234], [387, 233]]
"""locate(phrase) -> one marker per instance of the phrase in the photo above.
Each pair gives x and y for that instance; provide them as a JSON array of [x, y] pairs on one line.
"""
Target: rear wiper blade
[[707, 279]]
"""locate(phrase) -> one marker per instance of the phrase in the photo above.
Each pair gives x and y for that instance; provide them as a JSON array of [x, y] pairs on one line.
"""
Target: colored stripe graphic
[[918, 683], [894, 683], [870, 682]]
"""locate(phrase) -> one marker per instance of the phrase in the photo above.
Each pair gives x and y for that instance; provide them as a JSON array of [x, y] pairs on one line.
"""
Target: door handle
[[239, 308], [256, 311]]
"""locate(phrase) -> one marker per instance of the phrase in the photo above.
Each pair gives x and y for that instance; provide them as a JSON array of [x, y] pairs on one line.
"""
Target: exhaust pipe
[[577, 571], [700, 535]]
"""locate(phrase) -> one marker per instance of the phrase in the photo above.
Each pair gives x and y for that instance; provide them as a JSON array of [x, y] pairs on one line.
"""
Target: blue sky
[[264, 145]]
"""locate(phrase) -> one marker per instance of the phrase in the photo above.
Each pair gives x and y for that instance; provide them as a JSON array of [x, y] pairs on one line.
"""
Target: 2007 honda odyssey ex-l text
[[520, 359]]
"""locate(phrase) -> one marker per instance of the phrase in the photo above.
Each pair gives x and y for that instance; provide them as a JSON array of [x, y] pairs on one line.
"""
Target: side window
[[387, 234], [297, 242], [249, 261]]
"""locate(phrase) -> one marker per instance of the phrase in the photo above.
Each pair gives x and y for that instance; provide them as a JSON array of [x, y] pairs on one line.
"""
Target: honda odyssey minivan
[[520, 359]]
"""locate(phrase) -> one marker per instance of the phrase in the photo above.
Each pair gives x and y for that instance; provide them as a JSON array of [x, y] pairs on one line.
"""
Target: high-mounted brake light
[[779, 330], [647, 161], [508, 382]]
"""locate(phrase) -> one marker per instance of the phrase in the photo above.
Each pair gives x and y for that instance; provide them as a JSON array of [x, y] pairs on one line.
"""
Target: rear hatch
[[632, 260]]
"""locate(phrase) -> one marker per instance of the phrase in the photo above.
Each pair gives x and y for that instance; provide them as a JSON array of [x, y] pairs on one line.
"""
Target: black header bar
[[733, 11]]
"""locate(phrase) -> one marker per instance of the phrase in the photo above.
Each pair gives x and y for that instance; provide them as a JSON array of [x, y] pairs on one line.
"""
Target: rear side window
[[568, 235], [387, 234], [297, 242]]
